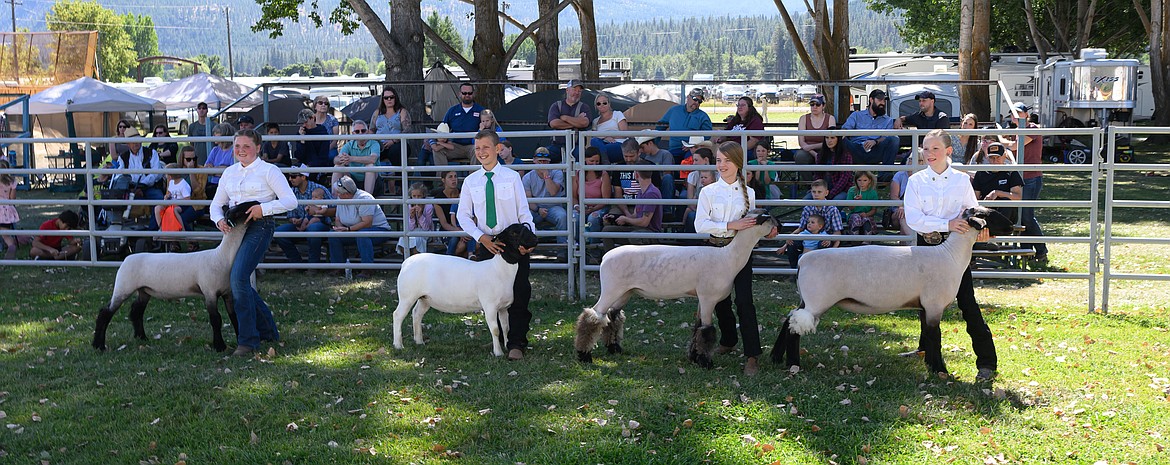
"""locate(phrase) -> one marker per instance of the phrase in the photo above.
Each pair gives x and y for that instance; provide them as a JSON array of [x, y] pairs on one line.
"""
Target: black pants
[[519, 318], [981, 340], [745, 307]]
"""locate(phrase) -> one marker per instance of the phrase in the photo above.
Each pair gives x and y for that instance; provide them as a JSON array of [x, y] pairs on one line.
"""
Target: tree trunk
[[975, 57], [590, 58], [831, 44], [1042, 46], [488, 55], [1159, 60], [401, 46], [548, 45]]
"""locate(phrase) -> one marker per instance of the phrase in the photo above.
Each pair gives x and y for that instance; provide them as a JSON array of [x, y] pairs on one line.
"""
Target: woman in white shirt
[[722, 206], [608, 119], [935, 200], [251, 179]]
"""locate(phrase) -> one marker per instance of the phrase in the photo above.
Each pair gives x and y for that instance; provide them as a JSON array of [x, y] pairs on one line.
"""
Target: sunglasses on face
[[160, 133], [815, 104], [322, 103], [467, 93], [388, 97], [188, 159], [360, 131], [602, 103], [697, 99], [122, 127]]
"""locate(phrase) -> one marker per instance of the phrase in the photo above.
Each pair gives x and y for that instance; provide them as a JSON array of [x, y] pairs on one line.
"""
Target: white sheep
[[919, 277], [172, 275], [667, 272], [457, 285]]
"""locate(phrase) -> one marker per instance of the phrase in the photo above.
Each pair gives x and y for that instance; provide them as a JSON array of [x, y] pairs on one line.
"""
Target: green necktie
[[490, 194]]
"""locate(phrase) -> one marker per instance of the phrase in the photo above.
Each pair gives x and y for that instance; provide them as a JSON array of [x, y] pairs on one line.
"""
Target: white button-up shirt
[[721, 203], [934, 199], [260, 181], [511, 203]]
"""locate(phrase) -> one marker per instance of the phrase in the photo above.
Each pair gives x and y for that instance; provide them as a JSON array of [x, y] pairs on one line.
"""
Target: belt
[[719, 241], [934, 237]]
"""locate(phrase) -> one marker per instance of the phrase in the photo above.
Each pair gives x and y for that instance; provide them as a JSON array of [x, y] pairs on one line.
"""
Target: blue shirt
[[535, 185], [862, 119], [460, 120], [677, 119], [813, 244]]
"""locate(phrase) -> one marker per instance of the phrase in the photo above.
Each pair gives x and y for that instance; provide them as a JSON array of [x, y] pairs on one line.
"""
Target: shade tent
[[87, 95], [215, 91], [282, 111]]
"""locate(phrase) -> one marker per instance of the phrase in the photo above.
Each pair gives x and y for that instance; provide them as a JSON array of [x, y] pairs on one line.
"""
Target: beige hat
[[693, 141], [442, 127], [644, 139], [131, 132]]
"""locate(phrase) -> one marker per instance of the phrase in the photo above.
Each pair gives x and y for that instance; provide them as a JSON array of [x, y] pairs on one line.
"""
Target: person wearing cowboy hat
[[138, 157], [685, 117]]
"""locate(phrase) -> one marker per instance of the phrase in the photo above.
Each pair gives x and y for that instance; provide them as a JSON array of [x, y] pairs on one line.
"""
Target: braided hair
[[734, 154]]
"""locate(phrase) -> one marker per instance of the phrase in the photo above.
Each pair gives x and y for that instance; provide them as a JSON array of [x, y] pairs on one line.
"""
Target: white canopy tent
[[215, 91]]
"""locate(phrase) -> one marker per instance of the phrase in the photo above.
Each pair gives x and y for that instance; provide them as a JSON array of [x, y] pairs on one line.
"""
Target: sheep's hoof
[[584, 357], [219, 346], [614, 348], [702, 360], [99, 346]]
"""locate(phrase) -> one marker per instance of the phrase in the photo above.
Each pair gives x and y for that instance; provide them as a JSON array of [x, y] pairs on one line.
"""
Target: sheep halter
[[490, 194]]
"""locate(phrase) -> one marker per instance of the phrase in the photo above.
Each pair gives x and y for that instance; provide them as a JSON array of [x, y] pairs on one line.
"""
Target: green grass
[[1074, 387]]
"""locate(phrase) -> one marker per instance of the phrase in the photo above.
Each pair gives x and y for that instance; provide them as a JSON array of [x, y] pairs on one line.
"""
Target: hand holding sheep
[[959, 225]]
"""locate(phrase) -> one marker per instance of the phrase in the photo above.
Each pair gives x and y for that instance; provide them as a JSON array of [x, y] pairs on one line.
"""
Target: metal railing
[[577, 237]]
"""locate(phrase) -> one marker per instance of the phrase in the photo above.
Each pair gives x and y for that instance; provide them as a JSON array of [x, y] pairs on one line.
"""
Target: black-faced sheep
[[921, 277], [174, 275]]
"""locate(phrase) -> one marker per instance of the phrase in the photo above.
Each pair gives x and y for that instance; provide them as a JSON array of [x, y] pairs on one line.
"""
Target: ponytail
[[743, 190]]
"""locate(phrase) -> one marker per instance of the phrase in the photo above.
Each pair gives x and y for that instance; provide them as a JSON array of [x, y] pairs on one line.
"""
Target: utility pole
[[15, 51], [504, 9], [231, 68]]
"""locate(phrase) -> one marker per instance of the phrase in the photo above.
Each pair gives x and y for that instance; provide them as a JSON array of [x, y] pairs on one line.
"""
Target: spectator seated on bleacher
[[815, 231], [648, 150], [765, 180], [418, 218], [645, 218], [547, 183], [358, 153], [830, 213], [897, 215], [998, 185], [305, 218], [701, 176], [356, 217], [872, 149], [462, 244], [685, 117], [834, 152], [597, 186], [859, 220]]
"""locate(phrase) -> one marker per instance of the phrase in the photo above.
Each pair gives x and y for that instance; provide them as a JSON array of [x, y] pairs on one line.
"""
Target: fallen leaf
[[903, 411], [688, 423], [767, 448], [814, 428], [254, 438], [634, 424], [271, 351], [984, 430], [292, 427], [438, 448]]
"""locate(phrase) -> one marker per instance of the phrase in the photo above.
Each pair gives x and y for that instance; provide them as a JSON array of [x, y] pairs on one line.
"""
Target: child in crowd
[[8, 215], [832, 217], [318, 215], [766, 179], [816, 227], [177, 189], [422, 218], [860, 219], [57, 247]]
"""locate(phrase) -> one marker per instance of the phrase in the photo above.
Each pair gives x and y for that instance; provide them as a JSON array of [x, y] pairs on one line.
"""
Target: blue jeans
[[365, 246], [453, 243], [252, 313], [557, 217], [882, 153], [288, 244], [1032, 189], [611, 151]]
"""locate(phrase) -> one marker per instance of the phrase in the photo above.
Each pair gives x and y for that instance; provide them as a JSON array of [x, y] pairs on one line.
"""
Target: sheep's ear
[[976, 222]]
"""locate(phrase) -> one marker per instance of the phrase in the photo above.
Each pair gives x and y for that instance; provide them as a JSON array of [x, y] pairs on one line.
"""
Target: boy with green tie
[[493, 199]]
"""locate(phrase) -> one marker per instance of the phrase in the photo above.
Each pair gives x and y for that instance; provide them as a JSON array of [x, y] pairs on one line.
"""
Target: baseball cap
[[996, 149], [698, 93], [245, 119], [1020, 106], [346, 185], [818, 98], [304, 173], [924, 94], [877, 93], [574, 83], [304, 115]]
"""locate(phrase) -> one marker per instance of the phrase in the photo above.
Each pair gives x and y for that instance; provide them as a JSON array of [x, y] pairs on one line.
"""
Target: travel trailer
[[1092, 91]]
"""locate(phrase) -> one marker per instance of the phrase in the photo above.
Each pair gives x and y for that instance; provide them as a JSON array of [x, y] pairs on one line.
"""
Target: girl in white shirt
[[935, 200], [722, 206], [251, 179]]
